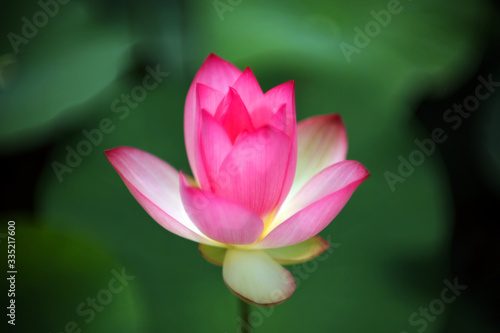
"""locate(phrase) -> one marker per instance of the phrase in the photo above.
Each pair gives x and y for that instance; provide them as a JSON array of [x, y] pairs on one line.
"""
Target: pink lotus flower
[[263, 187]]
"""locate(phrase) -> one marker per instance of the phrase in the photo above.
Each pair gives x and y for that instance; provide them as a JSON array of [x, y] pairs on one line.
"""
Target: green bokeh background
[[393, 249]]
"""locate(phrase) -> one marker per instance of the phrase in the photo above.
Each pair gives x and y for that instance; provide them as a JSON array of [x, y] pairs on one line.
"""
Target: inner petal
[[253, 173], [233, 115], [261, 115], [208, 98]]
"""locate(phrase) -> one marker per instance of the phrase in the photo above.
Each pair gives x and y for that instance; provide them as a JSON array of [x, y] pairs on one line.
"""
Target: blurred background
[[415, 82]]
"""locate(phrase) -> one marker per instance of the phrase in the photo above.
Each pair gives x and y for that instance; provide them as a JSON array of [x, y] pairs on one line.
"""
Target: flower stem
[[246, 326]]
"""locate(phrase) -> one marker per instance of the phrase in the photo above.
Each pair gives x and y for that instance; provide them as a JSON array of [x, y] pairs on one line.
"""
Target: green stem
[[246, 326]]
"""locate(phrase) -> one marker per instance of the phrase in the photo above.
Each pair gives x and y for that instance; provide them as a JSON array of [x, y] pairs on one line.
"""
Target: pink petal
[[280, 120], [248, 88], [155, 185], [322, 141], [215, 146], [253, 174], [220, 219], [208, 98], [316, 205], [218, 74], [284, 119], [233, 115], [261, 114], [279, 95]]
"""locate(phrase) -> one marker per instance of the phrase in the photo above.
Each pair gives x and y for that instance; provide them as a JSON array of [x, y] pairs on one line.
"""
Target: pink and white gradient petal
[[155, 185], [315, 206], [322, 141]]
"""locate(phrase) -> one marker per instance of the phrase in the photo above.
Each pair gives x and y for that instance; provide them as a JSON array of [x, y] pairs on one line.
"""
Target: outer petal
[[218, 74], [322, 141], [155, 185], [213, 254], [256, 278], [315, 206], [215, 146], [254, 172], [220, 219], [297, 253]]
